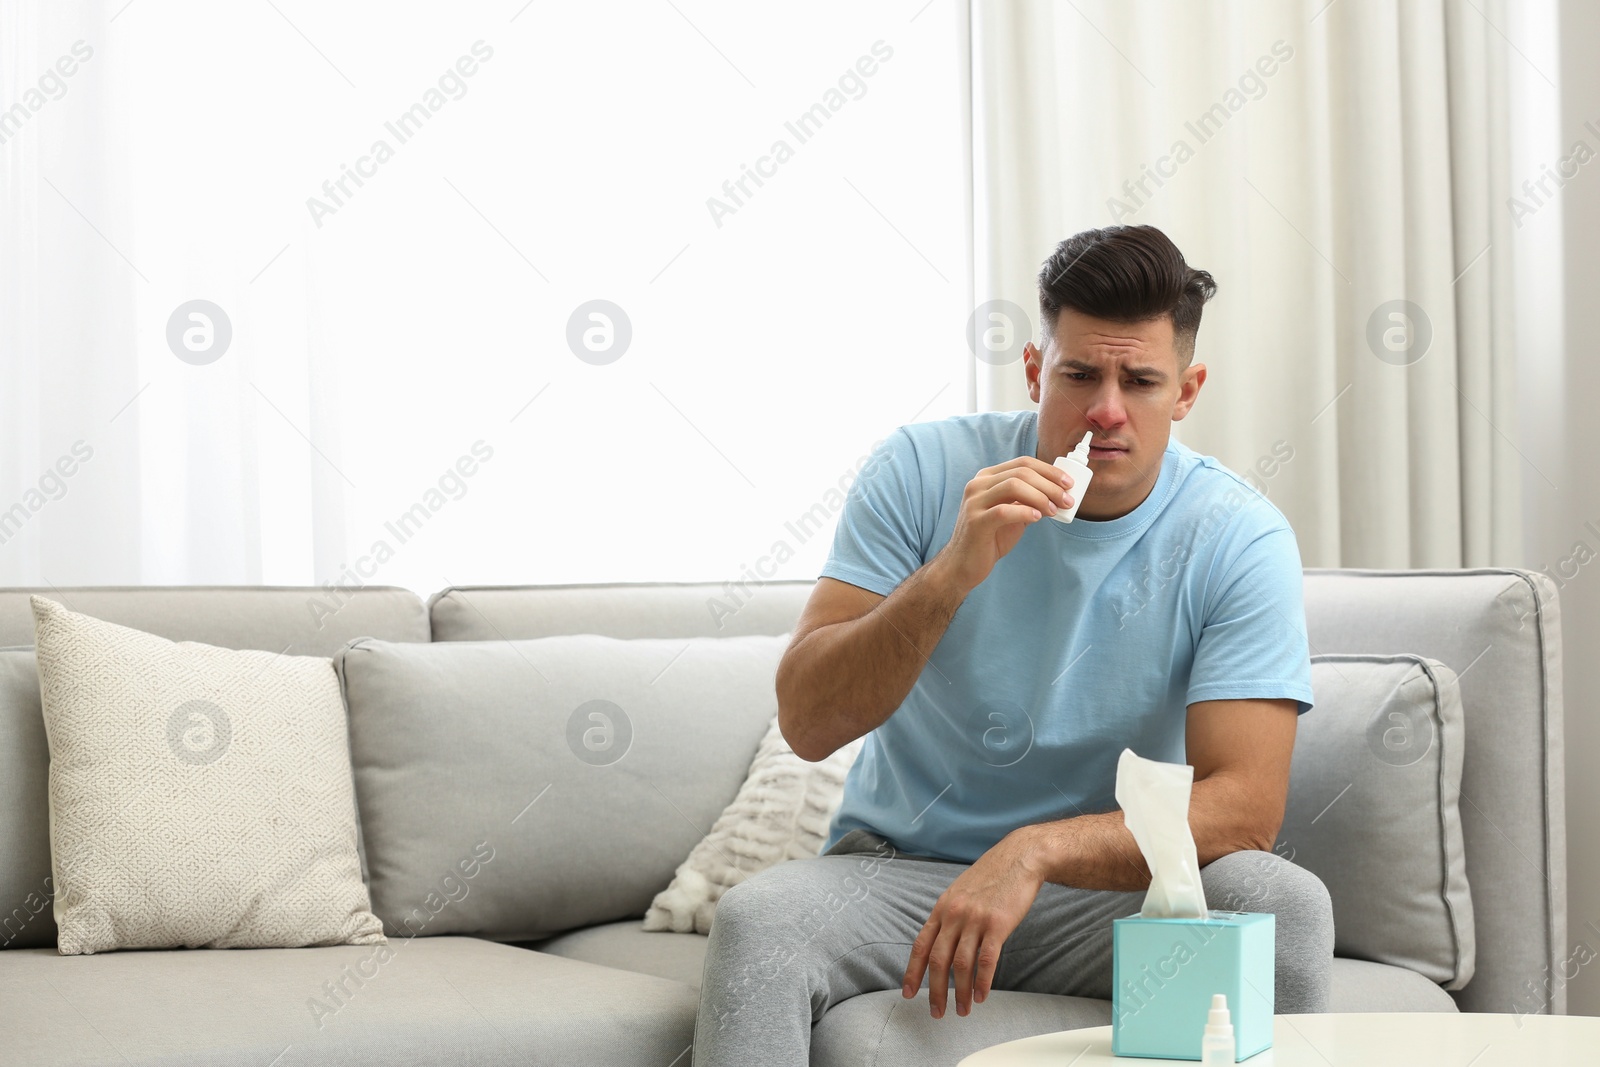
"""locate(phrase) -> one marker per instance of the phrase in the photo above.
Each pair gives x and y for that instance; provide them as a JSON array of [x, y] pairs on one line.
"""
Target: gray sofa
[[613, 994]]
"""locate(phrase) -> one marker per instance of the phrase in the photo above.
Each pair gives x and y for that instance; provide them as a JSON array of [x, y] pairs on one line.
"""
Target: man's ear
[[1032, 364], [1194, 376]]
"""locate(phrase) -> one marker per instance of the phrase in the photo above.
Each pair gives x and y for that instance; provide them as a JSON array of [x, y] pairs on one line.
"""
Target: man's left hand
[[970, 923]]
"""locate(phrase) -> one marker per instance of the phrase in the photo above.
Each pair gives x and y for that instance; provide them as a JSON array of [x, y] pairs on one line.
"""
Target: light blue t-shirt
[[1085, 639]]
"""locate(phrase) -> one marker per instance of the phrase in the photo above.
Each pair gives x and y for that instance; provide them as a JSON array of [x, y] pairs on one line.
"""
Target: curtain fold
[[1343, 171]]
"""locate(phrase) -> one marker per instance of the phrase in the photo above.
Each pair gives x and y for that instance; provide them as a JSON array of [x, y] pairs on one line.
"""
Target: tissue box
[[1164, 972]]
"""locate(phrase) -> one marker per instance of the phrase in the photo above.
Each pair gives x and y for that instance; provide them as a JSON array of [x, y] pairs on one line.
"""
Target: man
[[998, 662]]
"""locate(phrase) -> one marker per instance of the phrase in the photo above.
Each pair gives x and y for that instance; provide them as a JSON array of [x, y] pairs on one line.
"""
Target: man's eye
[[1078, 376], [1143, 382]]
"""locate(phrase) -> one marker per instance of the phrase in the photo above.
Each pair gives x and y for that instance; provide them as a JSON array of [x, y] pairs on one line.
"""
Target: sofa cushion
[[1373, 812], [199, 796], [297, 620], [590, 766], [26, 887], [408, 1003], [620, 609], [1363, 986], [1500, 630], [627, 946]]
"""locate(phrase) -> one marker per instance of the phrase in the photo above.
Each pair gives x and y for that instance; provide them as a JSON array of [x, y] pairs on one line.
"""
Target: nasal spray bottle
[[1216, 1044], [1077, 465]]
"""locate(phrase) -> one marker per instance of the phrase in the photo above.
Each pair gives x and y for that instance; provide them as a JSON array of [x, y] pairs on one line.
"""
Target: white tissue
[[1155, 803]]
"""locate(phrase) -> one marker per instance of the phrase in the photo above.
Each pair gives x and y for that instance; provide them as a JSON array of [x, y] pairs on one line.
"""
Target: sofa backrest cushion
[[294, 620], [1373, 811], [1499, 630], [515, 789], [26, 888]]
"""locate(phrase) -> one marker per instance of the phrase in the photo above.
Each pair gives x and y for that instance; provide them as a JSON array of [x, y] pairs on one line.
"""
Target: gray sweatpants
[[798, 938]]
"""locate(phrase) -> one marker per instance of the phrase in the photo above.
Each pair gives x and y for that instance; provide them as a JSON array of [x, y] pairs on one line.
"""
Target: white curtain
[[1342, 170], [137, 182], [398, 317]]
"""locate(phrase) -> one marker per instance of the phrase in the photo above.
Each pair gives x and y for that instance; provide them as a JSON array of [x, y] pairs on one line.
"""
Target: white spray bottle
[[1077, 466]]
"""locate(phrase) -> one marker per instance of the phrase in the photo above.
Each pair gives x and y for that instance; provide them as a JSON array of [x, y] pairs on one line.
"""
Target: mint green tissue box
[[1164, 971]]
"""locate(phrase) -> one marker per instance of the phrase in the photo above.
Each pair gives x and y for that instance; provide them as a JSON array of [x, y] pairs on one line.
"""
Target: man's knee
[[1303, 920], [751, 945], [780, 930], [1266, 882], [790, 903], [754, 907]]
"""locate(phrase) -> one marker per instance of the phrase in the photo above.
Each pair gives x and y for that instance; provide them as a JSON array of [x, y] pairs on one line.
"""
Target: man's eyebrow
[[1137, 372]]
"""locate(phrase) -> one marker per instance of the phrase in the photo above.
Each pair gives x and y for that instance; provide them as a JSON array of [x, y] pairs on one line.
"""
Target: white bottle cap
[[1218, 1023]]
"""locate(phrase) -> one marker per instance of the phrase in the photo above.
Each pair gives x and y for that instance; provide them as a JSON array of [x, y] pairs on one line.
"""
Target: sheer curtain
[[628, 293], [1343, 169]]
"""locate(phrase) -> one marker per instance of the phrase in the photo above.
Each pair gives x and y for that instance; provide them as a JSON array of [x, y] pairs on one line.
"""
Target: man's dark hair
[[1125, 274]]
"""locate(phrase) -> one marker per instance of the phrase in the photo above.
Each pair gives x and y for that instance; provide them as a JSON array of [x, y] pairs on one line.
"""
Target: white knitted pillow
[[781, 813], [199, 796]]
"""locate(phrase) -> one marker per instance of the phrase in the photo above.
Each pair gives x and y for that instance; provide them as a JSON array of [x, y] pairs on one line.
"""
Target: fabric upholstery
[[1373, 812], [295, 620], [26, 887], [1500, 632], [1497, 629], [433, 1001], [461, 744], [482, 613], [627, 946], [199, 796], [1360, 986]]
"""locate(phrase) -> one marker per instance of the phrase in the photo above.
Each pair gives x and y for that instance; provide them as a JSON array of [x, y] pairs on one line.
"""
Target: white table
[[1350, 1040]]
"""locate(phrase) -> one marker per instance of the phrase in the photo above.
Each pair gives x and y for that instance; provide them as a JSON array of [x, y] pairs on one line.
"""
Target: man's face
[[1121, 382]]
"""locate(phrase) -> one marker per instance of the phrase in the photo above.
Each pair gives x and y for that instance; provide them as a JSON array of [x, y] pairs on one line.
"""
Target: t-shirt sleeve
[[879, 541], [1253, 644]]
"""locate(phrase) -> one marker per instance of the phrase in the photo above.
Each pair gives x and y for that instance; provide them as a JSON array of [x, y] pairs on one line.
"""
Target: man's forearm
[[1098, 851], [843, 680]]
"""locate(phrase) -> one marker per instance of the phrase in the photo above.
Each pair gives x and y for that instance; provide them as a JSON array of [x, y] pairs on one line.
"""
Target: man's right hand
[[996, 506], [856, 654]]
